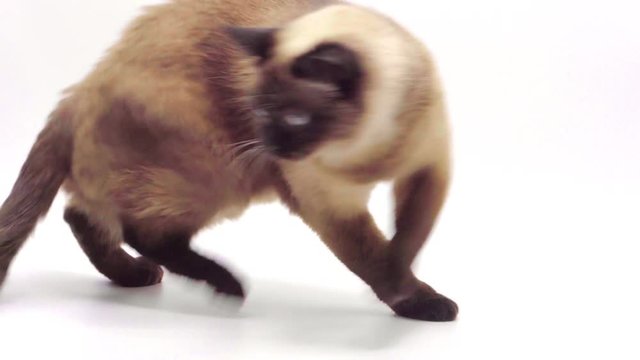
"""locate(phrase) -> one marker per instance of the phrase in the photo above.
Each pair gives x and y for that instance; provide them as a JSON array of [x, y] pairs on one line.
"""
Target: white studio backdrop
[[538, 244]]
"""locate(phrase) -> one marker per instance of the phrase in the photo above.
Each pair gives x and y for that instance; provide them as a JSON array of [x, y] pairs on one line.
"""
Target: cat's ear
[[331, 63], [255, 41]]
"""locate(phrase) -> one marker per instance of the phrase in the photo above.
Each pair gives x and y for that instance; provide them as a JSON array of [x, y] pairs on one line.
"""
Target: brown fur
[[108, 257], [36, 187], [158, 142]]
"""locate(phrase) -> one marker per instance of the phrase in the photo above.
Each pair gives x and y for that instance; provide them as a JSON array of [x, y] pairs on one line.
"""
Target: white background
[[538, 243]]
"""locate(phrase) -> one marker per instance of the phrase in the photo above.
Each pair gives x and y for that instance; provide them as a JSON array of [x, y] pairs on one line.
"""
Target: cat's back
[[165, 56], [170, 34], [173, 78]]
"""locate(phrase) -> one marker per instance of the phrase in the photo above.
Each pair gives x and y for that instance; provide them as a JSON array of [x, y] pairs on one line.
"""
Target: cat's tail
[[41, 176]]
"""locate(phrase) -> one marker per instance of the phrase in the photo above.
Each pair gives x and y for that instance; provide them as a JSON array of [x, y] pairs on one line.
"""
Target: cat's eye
[[304, 69], [261, 115], [297, 119], [314, 69], [330, 64]]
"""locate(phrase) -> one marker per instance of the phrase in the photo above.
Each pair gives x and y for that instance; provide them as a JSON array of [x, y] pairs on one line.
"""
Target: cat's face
[[302, 104]]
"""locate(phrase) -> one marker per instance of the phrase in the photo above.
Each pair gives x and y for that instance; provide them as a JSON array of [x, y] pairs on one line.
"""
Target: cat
[[207, 106]]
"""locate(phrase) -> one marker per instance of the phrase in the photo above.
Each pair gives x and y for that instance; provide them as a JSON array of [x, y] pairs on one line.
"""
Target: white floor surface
[[539, 242]]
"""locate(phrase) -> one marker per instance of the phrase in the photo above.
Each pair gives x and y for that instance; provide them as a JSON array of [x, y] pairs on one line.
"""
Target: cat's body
[[168, 135]]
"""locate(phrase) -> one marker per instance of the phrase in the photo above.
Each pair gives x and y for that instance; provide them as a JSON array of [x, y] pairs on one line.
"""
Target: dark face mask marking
[[304, 104]]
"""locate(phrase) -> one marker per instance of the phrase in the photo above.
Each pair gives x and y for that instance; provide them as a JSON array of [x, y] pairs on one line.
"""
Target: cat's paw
[[3, 275], [427, 306], [143, 273], [230, 286]]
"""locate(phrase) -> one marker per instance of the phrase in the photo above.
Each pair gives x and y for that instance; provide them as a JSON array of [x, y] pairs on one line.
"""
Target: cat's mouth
[[282, 152], [286, 143]]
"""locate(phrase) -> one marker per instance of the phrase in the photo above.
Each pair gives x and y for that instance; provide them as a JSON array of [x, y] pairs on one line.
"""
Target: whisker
[[238, 157], [239, 147], [245, 159], [231, 150], [241, 143], [259, 152]]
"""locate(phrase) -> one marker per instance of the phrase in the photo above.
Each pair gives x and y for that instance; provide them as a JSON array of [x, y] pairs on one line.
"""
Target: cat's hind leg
[[172, 250], [104, 250]]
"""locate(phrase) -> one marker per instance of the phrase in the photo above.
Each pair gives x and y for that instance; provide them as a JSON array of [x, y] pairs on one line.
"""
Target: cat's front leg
[[354, 238], [419, 199]]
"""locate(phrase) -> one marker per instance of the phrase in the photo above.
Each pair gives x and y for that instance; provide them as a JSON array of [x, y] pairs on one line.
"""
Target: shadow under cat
[[289, 313]]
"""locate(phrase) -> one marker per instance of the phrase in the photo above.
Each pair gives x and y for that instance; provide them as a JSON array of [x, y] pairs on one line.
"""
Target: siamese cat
[[207, 106]]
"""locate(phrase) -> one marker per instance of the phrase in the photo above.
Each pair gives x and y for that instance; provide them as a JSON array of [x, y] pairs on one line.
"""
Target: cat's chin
[[288, 155], [292, 157]]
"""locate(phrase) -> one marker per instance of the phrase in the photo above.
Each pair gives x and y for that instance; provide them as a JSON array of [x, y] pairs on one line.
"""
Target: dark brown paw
[[229, 286], [142, 273], [427, 307], [3, 275]]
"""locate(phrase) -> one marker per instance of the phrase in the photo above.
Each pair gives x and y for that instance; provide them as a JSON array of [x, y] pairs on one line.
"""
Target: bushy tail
[[41, 176]]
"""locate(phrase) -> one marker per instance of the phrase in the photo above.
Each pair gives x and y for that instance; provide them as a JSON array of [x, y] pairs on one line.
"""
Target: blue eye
[[262, 116], [261, 113], [299, 119]]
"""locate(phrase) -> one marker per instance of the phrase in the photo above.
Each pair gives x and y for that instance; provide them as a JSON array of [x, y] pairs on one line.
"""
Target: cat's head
[[330, 84]]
